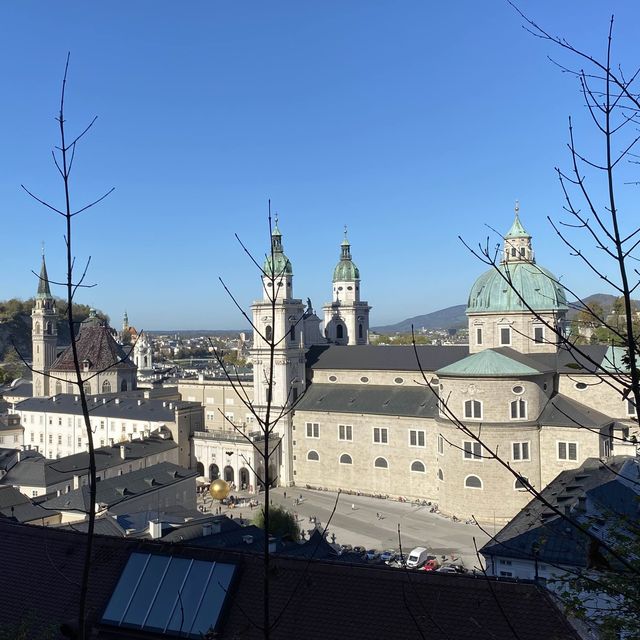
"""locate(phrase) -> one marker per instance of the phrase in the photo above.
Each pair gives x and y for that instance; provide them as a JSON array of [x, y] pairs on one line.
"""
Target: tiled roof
[[114, 491], [413, 401], [314, 600], [562, 411], [39, 472], [584, 493], [96, 345], [503, 362], [384, 358]]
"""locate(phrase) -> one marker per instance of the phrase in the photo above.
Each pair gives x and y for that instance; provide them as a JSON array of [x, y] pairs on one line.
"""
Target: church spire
[[517, 242], [43, 283]]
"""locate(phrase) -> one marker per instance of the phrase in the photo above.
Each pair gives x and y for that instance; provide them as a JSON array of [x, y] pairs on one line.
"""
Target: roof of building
[[19, 390], [562, 411], [591, 495], [502, 362], [503, 288], [40, 472], [314, 599], [96, 348], [411, 401], [517, 230], [10, 497], [380, 358], [114, 491], [107, 406]]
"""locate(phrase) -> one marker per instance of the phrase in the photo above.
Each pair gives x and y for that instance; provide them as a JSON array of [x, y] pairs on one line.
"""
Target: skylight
[[172, 596]]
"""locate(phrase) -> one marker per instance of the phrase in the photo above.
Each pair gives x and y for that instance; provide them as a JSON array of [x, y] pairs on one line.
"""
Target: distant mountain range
[[455, 317]]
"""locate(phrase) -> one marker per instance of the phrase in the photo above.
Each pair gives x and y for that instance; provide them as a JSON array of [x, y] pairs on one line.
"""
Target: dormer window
[[86, 364]]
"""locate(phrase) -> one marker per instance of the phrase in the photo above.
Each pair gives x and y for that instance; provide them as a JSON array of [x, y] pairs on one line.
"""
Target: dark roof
[[10, 422], [562, 411], [316, 600], [390, 358], [111, 406], [412, 401], [21, 390], [10, 497], [105, 525], [114, 491], [39, 472], [96, 345], [27, 512], [587, 493]]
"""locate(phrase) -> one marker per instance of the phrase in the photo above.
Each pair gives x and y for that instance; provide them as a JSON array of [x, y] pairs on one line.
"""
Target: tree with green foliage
[[281, 523]]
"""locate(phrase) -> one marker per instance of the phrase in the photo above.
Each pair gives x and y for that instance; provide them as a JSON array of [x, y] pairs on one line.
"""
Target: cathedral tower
[[346, 318], [278, 318], [44, 335]]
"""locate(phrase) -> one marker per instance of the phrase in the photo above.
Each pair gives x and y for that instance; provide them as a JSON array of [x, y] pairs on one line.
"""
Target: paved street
[[361, 526]]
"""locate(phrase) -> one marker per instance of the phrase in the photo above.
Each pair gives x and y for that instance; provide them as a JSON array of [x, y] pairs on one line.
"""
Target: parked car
[[417, 558], [371, 555], [359, 549], [431, 564], [452, 568], [388, 555], [345, 548]]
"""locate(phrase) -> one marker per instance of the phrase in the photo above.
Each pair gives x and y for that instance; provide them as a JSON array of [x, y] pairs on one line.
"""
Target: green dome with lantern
[[345, 270], [276, 263], [506, 287]]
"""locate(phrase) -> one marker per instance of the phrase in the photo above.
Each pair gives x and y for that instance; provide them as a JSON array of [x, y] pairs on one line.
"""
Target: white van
[[417, 558]]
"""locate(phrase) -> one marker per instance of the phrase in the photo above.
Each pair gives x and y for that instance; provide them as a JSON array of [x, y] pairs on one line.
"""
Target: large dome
[[345, 270], [499, 289]]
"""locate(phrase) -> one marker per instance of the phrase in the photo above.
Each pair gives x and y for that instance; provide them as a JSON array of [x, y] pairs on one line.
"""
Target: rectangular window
[[345, 432], [79, 443], [69, 441], [381, 435], [473, 409], [60, 439], [538, 335], [313, 430], [472, 450], [567, 450], [59, 422], [102, 424], [230, 401], [416, 438], [50, 438], [631, 408], [41, 438], [521, 451], [505, 336], [441, 444], [210, 415], [478, 335], [211, 400], [518, 409], [32, 436]]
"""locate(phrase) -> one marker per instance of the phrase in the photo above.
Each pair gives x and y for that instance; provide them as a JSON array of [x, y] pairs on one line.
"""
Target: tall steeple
[[278, 272], [346, 318], [44, 334]]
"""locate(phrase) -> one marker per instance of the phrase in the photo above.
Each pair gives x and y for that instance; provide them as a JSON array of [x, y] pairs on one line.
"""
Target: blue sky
[[411, 122]]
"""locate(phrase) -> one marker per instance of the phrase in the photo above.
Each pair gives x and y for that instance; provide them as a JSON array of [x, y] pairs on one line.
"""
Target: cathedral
[[423, 424]]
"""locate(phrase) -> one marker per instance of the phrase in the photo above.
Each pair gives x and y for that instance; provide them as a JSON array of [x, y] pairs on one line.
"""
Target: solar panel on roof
[[169, 595]]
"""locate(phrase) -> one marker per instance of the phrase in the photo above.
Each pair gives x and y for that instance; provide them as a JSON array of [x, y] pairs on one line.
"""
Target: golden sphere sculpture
[[219, 489]]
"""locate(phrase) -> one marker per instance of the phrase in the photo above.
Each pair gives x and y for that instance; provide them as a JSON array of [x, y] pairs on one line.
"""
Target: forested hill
[[15, 325]]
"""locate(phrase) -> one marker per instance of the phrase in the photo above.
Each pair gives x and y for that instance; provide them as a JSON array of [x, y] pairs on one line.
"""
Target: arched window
[[519, 409], [58, 388], [106, 387], [292, 333], [313, 455], [440, 475], [473, 409], [37, 328], [360, 332], [519, 484], [268, 333], [87, 387], [345, 458], [473, 482], [123, 385], [418, 466], [381, 463], [339, 332]]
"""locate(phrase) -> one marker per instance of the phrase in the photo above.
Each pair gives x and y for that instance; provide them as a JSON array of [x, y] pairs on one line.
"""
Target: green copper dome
[[276, 263], [539, 287], [345, 270]]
